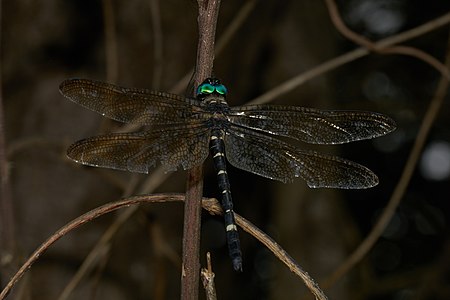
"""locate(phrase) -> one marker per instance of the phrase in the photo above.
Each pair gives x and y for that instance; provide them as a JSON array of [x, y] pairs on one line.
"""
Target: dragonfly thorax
[[216, 103], [218, 121]]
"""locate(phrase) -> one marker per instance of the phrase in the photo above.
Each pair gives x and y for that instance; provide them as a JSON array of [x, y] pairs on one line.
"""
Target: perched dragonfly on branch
[[182, 131]]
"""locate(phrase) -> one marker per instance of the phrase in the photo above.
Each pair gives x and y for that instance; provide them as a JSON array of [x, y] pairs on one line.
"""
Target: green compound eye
[[221, 89], [205, 88]]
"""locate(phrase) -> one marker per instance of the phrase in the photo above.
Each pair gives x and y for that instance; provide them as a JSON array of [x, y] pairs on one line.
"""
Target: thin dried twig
[[81, 220], [365, 42], [214, 208], [112, 62], [208, 279], [210, 204], [282, 255], [153, 181], [157, 44], [399, 191], [336, 62]]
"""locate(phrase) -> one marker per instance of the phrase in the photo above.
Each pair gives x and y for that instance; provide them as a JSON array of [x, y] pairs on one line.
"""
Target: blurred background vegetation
[[44, 43]]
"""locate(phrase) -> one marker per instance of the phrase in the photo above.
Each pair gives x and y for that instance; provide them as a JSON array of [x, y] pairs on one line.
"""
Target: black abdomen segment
[[217, 149]]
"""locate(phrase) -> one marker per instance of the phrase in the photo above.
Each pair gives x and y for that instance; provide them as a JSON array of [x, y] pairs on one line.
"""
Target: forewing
[[130, 105], [140, 151], [265, 156], [312, 125]]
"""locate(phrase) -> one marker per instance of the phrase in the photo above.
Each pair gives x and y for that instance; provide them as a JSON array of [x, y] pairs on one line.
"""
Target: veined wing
[[139, 151], [265, 156], [312, 125], [130, 105]]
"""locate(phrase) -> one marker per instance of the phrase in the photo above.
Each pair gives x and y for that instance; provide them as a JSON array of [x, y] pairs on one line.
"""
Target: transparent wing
[[265, 156], [139, 151], [130, 105], [312, 125]]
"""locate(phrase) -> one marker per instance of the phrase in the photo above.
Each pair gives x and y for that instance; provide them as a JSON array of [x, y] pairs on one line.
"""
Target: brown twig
[[282, 255], [100, 249], [274, 247], [112, 63], [81, 220], [208, 11], [190, 267], [210, 204], [402, 185], [157, 44], [331, 64], [222, 41], [208, 279], [365, 42], [153, 181]]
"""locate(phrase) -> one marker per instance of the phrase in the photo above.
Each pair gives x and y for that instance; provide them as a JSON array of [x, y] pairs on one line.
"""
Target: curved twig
[[81, 220], [331, 64], [210, 204], [282, 255], [365, 42], [402, 185]]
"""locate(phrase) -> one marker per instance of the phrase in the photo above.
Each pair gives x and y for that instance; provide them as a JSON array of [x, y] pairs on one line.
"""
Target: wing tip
[[67, 85], [389, 124], [75, 153], [63, 85]]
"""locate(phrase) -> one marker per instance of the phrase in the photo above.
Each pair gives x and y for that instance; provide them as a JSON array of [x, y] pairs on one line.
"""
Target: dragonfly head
[[213, 87]]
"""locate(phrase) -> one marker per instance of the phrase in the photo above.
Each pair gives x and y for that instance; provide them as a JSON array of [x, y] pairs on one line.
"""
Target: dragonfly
[[180, 132]]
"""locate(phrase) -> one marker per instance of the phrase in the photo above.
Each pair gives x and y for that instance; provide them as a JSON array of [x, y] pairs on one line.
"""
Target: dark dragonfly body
[[181, 128], [213, 95]]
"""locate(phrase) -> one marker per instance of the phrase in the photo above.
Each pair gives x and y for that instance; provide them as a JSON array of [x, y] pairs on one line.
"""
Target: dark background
[[44, 43]]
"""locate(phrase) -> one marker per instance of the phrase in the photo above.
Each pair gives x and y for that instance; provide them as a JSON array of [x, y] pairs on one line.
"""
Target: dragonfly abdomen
[[217, 149]]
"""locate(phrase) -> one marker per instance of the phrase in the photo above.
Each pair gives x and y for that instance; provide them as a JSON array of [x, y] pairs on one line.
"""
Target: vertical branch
[[223, 40], [208, 11]]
